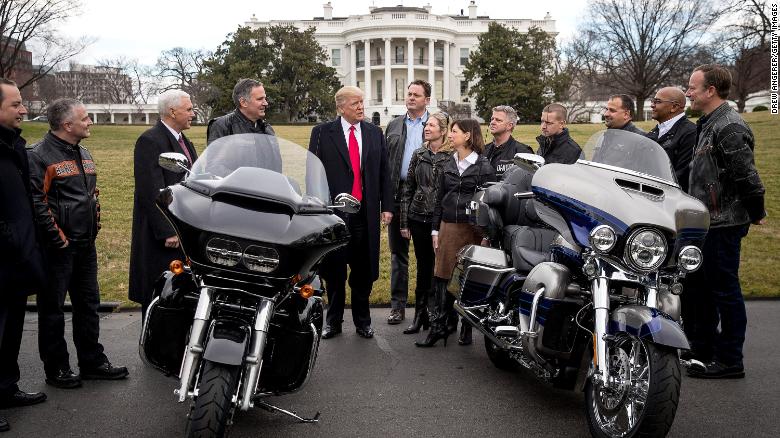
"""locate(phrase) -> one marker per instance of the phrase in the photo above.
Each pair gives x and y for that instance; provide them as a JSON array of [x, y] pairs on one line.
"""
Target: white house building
[[385, 49]]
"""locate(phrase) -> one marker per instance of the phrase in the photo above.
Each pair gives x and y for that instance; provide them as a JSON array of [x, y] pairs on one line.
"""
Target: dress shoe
[[4, 426], [365, 332], [717, 370], [104, 371], [65, 379], [330, 331], [395, 316], [21, 398]]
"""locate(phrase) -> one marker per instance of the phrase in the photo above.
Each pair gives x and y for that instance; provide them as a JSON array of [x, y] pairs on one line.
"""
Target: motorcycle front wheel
[[642, 398], [210, 415]]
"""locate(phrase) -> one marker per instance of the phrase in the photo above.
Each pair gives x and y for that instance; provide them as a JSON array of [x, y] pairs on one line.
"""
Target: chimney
[[428, 8], [472, 10], [328, 11], [548, 16]]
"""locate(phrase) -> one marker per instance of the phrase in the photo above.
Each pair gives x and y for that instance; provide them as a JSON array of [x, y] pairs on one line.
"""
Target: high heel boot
[[421, 320], [452, 315], [437, 303], [465, 333]]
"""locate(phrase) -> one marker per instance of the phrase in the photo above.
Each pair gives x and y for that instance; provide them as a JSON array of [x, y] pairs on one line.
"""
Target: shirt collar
[[345, 125], [471, 158], [173, 131], [423, 118], [667, 125]]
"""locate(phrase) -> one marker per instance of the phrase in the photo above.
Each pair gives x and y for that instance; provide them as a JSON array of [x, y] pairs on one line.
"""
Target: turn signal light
[[306, 291], [177, 267]]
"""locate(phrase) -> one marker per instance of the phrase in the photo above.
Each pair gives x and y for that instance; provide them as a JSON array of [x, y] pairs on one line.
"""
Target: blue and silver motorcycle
[[582, 282]]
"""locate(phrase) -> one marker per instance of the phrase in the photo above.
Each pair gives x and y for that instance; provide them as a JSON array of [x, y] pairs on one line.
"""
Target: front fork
[[191, 361], [254, 359]]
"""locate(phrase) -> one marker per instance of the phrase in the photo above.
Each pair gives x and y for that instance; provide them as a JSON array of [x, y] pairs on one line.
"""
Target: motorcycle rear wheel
[[500, 357], [643, 401], [213, 407]]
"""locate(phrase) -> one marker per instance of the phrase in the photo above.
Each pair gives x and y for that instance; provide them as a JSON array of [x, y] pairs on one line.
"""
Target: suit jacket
[[678, 143], [328, 143], [148, 255]]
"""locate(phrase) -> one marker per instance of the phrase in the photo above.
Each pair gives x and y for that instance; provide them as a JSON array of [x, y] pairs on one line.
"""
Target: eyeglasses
[[655, 101]]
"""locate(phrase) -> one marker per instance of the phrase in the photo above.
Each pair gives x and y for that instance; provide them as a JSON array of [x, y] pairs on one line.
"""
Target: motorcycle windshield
[[262, 166], [633, 153]]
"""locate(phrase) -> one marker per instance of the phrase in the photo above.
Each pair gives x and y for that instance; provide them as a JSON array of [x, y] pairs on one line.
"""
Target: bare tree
[[31, 24], [183, 69], [637, 45]]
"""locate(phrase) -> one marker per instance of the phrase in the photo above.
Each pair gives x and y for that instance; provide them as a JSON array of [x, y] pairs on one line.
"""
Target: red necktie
[[184, 148], [354, 158]]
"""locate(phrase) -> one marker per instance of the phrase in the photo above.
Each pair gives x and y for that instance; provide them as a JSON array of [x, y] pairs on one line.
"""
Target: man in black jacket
[[503, 148], [674, 132], [248, 117], [354, 156], [64, 191], [619, 112], [724, 177], [555, 144], [21, 268], [154, 243]]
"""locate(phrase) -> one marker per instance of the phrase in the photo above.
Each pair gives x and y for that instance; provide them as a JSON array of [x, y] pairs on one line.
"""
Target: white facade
[[385, 49]]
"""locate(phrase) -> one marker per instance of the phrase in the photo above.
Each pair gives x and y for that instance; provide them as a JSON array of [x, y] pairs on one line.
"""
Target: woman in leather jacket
[[417, 205], [464, 172]]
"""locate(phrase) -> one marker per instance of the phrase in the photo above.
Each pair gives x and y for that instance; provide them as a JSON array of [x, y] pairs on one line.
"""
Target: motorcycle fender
[[226, 343], [647, 323]]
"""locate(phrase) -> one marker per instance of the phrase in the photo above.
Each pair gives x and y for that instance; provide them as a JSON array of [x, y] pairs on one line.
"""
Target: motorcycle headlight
[[690, 259], [645, 249], [261, 259], [223, 251], [603, 238]]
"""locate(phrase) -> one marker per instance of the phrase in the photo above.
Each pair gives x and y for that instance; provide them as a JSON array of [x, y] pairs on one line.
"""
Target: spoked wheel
[[213, 406], [640, 400], [500, 357]]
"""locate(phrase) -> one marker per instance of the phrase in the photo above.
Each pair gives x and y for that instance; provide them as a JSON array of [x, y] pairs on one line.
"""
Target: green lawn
[[112, 147]]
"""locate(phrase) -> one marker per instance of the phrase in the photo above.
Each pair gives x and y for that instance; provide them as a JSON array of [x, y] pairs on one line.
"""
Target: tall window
[[335, 57], [378, 55], [399, 89], [439, 55], [464, 89], [399, 54], [439, 93], [464, 55], [421, 55], [379, 89], [360, 57]]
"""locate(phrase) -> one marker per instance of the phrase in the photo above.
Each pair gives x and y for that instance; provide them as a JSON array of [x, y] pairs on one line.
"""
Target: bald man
[[674, 132]]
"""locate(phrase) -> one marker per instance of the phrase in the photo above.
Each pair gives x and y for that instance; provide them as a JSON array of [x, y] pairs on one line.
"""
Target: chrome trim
[[488, 269], [628, 172], [191, 361], [600, 290], [254, 357], [534, 307], [145, 333]]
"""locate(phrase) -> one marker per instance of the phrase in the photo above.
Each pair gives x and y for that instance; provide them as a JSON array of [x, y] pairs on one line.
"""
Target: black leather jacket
[[501, 156], [395, 138], [456, 191], [559, 148], [421, 186], [235, 122], [723, 171], [63, 182]]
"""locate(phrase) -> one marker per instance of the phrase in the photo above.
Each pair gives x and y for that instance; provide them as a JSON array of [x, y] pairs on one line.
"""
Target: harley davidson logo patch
[[89, 166], [65, 168]]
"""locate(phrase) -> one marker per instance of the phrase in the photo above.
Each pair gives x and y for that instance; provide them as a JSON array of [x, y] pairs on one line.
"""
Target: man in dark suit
[[154, 242], [674, 132], [354, 156]]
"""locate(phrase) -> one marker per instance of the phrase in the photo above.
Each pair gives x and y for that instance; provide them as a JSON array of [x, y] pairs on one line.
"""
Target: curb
[[103, 307]]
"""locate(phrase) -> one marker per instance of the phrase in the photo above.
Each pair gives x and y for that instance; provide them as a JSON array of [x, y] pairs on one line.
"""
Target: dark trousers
[[12, 308], [356, 254], [716, 298], [72, 270], [423, 252], [399, 263]]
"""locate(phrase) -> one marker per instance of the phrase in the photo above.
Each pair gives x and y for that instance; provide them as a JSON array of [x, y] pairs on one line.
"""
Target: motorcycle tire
[[213, 407], [661, 365], [499, 357]]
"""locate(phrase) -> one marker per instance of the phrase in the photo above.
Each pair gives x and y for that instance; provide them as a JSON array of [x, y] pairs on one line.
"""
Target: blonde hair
[[345, 93], [443, 119]]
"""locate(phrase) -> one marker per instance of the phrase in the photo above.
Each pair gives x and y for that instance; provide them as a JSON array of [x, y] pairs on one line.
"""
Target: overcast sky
[[143, 28]]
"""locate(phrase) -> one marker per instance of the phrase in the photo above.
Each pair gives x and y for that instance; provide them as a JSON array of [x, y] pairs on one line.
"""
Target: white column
[[146, 118], [367, 70], [353, 63], [94, 118], [112, 117], [129, 118], [431, 73], [409, 60], [446, 73], [387, 101]]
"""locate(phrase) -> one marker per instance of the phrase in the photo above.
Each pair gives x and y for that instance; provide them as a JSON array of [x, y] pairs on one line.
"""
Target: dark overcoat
[[148, 255], [328, 143], [678, 143]]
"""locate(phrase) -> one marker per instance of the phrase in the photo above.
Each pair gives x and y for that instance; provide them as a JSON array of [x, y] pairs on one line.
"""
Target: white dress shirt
[[664, 127], [470, 160], [345, 127]]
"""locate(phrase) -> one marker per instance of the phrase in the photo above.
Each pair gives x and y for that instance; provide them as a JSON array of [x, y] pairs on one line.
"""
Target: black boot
[[452, 315], [420, 320], [437, 303], [465, 333]]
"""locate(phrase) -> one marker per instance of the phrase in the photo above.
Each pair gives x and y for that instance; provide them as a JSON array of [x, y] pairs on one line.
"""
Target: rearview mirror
[[173, 162], [346, 203], [529, 162]]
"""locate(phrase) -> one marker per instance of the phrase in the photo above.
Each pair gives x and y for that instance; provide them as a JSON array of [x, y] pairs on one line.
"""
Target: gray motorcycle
[[582, 282]]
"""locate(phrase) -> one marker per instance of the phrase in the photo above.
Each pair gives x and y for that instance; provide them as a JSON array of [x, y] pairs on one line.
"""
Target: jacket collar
[[60, 142], [556, 139], [704, 121], [9, 135]]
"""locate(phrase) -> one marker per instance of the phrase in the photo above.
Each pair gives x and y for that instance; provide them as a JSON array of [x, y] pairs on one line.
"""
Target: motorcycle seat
[[500, 197], [529, 246]]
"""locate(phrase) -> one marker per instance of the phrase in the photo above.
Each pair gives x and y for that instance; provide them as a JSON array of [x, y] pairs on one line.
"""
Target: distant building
[[385, 49], [94, 84], [22, 60]]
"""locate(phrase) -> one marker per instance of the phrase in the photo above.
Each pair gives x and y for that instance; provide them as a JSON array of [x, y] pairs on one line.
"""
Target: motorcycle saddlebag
[[477, 274], [165, 334]]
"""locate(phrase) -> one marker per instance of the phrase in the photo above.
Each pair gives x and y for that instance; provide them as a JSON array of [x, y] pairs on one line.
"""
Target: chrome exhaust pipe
[[254, 358]]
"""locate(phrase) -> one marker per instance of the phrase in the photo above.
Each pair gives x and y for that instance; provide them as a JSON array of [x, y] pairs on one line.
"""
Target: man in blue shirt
[[404, 135]]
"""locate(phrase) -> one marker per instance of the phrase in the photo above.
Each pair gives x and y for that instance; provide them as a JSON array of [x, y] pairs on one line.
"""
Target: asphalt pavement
[[386, 387]]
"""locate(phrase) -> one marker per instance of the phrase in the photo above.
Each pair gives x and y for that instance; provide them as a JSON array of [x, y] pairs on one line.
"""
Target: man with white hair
[[154, 242], [503, 148]]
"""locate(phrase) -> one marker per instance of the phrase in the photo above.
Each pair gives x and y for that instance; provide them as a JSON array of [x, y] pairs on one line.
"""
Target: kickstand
[[271, 408]]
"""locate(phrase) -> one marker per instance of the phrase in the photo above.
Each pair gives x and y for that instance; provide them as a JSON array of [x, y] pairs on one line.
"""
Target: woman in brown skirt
[[463, 174]]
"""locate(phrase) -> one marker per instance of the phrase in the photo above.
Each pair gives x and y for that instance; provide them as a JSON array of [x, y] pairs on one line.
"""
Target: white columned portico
[[446, 73], [431, 73], [367, 70], [409, 60], [386, 100], [353, 63]]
